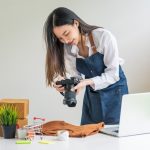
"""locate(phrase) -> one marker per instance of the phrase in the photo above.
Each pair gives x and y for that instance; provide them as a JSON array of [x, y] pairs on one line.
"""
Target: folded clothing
[[51, 128]]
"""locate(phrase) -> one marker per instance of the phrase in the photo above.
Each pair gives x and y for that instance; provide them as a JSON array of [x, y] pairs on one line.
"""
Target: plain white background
[[22, 49]]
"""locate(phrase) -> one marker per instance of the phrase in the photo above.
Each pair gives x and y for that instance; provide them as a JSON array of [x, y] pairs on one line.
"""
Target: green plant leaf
[[8, 114]]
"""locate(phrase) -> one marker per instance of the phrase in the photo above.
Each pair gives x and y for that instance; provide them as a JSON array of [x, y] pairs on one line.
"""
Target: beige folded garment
[[51, 128]]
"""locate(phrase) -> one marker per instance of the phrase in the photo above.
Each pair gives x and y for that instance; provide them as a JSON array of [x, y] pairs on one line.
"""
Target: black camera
[[69, 95]]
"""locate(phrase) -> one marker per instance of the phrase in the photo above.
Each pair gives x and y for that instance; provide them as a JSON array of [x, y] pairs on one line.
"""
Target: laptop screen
[[135, 114]]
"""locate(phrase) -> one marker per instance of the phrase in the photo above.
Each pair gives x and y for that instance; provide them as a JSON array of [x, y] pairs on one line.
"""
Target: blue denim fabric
[[101, 105]]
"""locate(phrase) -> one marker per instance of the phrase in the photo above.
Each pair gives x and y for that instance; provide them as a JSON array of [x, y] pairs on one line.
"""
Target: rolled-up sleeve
[[108, 47]]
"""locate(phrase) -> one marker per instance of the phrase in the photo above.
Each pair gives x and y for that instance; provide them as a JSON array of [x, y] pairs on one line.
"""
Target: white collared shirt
[[105, 44]]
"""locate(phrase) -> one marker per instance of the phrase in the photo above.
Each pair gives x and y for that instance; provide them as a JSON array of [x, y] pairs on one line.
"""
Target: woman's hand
[[59, 88], [82, 84]]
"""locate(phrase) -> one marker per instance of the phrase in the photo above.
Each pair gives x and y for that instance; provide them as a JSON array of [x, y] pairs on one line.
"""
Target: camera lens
[[70, 99], [70, 102]]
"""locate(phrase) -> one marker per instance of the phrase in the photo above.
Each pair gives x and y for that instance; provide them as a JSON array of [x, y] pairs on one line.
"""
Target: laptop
[[134, 116]]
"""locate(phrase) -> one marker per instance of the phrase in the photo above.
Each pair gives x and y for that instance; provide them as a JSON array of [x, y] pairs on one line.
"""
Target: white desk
[[94, 142]]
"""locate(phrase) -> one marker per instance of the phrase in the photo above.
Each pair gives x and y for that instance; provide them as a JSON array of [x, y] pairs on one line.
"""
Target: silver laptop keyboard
[[113, 129]]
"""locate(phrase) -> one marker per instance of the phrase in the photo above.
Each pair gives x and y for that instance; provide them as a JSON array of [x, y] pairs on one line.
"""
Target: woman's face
[[68, 34]]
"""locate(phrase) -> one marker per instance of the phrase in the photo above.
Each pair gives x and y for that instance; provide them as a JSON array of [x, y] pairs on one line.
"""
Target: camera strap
[[92, 43]]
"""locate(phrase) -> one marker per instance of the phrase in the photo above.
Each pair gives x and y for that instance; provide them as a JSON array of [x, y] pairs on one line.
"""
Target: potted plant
[[8, 120]]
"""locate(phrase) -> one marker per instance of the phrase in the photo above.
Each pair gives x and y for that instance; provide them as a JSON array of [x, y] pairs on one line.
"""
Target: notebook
[[134, 116]]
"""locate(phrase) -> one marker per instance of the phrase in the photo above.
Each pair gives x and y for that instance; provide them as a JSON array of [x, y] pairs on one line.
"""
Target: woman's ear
[[76, 23]]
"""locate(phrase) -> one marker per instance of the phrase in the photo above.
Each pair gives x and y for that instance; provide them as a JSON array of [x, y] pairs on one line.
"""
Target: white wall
[[22, 51]]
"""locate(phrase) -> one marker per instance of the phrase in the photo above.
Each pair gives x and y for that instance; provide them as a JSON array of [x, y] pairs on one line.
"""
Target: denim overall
[[101, 105]]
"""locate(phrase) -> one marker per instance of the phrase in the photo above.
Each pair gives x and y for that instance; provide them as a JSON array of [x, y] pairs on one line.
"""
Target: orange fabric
[[51, 128]]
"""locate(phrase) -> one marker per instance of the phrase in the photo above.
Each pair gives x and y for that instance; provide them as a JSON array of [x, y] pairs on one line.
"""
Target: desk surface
[[94, 142]]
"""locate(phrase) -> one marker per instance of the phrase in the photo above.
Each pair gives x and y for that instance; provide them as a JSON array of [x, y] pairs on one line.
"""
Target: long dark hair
[[55, 64]]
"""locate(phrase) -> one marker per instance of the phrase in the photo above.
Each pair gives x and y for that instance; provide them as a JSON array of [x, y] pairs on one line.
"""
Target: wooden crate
[[22, 106]]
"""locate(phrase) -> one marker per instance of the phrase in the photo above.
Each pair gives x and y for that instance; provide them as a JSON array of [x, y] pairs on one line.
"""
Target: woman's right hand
[[59, 88]]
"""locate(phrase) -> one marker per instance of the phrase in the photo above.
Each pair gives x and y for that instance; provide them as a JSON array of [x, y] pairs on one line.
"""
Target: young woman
[[76, 48]]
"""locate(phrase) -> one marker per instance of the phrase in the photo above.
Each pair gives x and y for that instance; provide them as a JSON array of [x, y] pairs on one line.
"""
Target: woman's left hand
[[82, 84]]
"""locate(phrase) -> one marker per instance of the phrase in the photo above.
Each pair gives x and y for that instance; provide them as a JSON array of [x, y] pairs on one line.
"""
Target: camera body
[[69, 94]]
